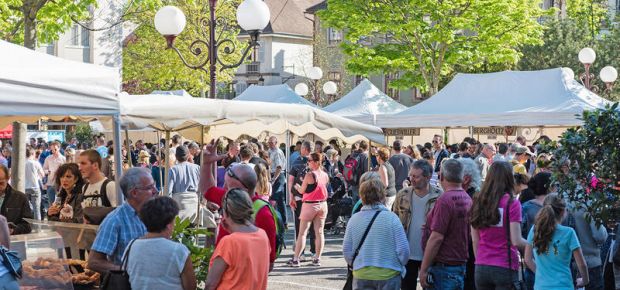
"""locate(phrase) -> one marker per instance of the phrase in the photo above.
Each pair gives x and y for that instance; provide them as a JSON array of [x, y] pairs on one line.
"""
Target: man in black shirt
[[296, 176]]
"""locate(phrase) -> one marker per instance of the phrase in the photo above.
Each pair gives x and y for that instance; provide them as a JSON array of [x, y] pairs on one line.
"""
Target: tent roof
[[34, 84], [508, 98], [230, 118], [364, 101], [282, 94]]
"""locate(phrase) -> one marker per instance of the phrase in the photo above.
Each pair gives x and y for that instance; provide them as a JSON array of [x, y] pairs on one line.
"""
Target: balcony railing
[[253, 68]]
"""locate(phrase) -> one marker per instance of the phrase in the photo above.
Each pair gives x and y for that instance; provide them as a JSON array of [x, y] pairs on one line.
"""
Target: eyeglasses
[[232, 174], [148, 187], [435, 141]]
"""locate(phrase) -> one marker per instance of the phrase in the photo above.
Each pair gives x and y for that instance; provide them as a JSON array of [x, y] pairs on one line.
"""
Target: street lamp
[[252, 16], [315, 74], [608, 74]]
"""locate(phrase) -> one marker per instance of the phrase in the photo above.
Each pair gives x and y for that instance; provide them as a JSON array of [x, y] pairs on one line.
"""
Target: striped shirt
[[116, 232], [386, 244]]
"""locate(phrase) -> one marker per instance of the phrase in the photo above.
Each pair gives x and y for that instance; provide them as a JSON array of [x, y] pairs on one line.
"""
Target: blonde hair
[[262, 175]]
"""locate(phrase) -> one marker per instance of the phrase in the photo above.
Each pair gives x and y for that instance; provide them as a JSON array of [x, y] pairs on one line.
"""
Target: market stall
[[35, 85], [364, 103], [523, 100], [281, 94]]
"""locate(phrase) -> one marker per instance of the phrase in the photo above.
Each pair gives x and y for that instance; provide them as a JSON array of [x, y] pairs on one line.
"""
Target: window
[[79, 36], [334, 36], [393, 93], [334, 76], [240, 87]]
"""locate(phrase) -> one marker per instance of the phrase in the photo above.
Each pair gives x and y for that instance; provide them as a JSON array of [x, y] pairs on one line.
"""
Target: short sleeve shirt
[[247, 257], [553, 267], [492, 247], [116, 232], [298, 171], [150, 269], [450, 217]]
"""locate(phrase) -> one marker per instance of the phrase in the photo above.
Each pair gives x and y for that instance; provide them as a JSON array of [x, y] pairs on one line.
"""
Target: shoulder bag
[[11, 260], [517, 284], [349, 284], [118, 279]]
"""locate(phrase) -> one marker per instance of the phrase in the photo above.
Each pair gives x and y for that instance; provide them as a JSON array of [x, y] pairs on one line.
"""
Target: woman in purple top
[[492, 205]]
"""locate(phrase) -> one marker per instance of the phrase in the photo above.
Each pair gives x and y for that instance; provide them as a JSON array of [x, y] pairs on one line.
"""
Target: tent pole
[[199, 212], [129, 161], [161, 180], [118, 158], [18, 157], [167, 168], [286, 192]]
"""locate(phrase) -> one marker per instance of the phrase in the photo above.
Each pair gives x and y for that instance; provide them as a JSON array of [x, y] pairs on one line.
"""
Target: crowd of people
[[462, 216]]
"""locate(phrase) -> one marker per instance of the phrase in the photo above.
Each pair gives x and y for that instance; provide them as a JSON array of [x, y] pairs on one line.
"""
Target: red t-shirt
[[264, 219], [450, 217]]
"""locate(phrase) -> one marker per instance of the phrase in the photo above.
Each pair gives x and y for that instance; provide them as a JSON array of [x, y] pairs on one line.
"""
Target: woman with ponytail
[[551, 246]]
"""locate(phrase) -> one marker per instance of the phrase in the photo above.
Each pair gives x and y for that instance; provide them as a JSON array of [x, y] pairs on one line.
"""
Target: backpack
[[351, 164], [103, 192], [277, 219]]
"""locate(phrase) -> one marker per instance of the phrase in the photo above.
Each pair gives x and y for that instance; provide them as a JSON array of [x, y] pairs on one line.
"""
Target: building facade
[[285, 50]]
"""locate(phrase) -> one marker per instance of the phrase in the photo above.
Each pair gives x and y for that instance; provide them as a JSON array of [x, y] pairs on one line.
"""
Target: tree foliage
[[47, 19], [592, 180], [589, 14], [425, 39], [149, 66], [563, 39]]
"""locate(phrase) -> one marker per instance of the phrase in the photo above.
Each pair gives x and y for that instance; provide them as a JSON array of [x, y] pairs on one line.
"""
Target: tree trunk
[[30, 25]]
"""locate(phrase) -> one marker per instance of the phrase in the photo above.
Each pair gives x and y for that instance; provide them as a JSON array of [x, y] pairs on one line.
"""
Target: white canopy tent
[[35, 85], [231, 118], [508, 98], [281, 94], [364, 103]]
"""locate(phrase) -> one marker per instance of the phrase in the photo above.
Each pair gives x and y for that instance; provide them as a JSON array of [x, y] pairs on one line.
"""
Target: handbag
[[517, 284], [12, 261], [118, 279], [349, 284]]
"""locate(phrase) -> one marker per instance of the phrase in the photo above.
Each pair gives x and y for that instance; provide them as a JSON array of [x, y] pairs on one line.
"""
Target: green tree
[[148, 65], [30, 22], [425, 39], [563, 39], [588, 14]]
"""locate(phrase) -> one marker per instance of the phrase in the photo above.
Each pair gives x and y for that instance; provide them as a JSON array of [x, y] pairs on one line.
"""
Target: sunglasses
[[232, 174]]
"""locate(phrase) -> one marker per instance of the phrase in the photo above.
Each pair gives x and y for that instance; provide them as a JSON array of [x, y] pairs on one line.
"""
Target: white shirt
[[277, 159], [91, 195], [34, 173], [51, 164]]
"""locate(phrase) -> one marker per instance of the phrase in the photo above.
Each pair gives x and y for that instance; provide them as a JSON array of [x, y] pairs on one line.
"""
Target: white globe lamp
[[330, 88], [170, 21], [568, 73], [587, 55], [609, 74], [301, 89], [315, 73], [253, 15]]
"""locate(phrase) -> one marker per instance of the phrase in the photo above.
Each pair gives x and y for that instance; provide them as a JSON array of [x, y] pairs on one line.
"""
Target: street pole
[[212, 48], [18, 157]]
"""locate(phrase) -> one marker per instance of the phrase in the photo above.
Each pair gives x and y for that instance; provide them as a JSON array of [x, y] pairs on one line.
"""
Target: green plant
[[201, 256], [591, 181]]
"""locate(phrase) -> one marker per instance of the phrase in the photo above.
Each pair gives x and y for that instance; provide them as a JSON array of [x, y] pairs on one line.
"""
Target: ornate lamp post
[[608, 74], [252, 16], [315, 74]]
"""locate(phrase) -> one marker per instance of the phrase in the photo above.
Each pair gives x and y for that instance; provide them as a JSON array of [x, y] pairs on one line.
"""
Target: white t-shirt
[[92, 198], [418, 219], [155, 264], [34, 171]]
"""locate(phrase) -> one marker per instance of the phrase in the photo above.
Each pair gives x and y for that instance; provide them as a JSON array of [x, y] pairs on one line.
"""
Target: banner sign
[[508, 130], [401, 131]]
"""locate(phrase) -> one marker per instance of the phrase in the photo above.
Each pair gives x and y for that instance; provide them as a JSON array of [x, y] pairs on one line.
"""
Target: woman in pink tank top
[[313, 209]]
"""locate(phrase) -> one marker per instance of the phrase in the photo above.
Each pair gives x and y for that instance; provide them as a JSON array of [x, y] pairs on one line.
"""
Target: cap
[[524, 150]]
